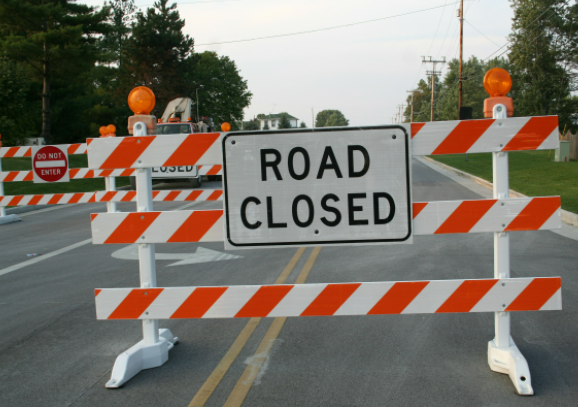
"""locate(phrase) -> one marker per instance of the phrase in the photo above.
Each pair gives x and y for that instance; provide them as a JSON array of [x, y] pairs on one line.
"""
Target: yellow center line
[[214, 379], [244, 384]]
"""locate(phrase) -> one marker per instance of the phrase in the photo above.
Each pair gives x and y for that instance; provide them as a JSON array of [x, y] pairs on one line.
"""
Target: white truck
[[177, 119]]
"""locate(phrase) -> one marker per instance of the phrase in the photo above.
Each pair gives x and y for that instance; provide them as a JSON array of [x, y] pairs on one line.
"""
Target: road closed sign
[[312, 187], [50, 164]]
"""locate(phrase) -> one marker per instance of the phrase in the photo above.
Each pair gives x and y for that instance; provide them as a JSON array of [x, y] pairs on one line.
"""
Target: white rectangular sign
[[322, 186], [175, 172]]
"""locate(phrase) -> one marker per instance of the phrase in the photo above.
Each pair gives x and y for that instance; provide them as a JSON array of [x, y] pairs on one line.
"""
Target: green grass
[[75, 185], [532, 173]]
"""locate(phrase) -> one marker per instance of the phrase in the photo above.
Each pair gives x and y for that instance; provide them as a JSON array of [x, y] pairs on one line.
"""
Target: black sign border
[[322, 129]]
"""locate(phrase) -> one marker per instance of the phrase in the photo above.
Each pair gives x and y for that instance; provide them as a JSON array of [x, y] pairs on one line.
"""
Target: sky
[[363, 70]]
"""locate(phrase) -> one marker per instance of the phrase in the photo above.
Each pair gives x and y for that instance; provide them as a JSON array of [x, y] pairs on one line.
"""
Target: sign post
[[50, 164], [338, 186]]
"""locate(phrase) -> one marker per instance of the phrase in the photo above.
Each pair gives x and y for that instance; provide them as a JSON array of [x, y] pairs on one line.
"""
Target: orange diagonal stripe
[[135, 303], [215, 170], [11, 175], [132, 227], [196, 226], [191, 149], [468, 294], [465, 217], [171, 196], [35, 199], [330, 299], [215, 195], [127, 152], [418, 207], [415, 128], [193, 195], [398, 298], [128, 197], [15, 200], [536, 294], [535, 214], [263, 301], [533, 133], [55, 199], [199, 302], [463, 136]]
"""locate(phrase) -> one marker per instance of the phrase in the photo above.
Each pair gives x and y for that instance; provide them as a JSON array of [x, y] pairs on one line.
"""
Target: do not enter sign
[[50, 164]]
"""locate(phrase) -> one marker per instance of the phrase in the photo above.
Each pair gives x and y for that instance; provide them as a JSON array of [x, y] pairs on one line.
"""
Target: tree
[[266, 126], [252, 125], [54, 38], [303, 125], [224, 94], [17, 118], [327, 118], [121, 17], [284, 122], [543, 45], [158, 54]]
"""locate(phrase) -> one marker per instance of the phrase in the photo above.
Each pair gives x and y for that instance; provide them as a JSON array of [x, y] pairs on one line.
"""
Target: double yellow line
[[244, 384]]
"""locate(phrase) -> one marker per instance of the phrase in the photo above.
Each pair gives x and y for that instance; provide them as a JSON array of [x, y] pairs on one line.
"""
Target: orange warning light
[[102, 130], [111, 129], [497, 82], [226, 127], [141, 100]]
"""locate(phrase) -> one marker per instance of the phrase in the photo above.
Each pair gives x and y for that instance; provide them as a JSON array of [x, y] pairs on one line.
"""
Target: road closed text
[[342, 186], [331, 216]]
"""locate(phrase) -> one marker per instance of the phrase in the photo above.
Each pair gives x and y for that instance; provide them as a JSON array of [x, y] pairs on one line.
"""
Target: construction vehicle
[[177, 119]]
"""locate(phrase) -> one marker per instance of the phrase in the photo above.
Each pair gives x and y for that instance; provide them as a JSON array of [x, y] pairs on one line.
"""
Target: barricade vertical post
[[110, 185], [503, 354], [2, 209], [153, 350], [146, 252]]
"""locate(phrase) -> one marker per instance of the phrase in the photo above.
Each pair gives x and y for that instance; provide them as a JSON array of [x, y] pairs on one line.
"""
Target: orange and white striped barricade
[[146, 227], [300, 300], [9, 152]]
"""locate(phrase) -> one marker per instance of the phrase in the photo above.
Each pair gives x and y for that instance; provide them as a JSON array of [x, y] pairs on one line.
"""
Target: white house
[[272, 121]]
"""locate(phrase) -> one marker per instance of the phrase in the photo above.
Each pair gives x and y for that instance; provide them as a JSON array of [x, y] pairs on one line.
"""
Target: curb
[[567, 217]]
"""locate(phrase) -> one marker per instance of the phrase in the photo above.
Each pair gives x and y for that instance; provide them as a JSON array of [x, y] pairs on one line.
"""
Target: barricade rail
[[111, 196], [85, 173], [288, 300]]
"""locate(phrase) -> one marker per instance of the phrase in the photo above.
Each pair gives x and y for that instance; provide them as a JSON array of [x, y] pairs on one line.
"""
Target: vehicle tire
[[195, 182], [132, 183]]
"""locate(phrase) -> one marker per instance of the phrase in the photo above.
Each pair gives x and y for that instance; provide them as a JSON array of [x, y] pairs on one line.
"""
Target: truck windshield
[[176, 128]]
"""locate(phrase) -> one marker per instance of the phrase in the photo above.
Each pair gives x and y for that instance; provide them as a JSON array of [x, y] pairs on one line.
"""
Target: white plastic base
[[9, 219], [140, 357], [511, 362]]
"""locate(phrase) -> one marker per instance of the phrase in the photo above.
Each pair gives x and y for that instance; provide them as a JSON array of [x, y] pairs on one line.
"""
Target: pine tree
[[284, 122], [158, 54], [54, 38]]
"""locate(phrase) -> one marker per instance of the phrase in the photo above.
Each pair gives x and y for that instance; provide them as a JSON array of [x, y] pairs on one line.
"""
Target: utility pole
[[433, 73], [400, 107], [411, 104], [312, 119], [461, 16]]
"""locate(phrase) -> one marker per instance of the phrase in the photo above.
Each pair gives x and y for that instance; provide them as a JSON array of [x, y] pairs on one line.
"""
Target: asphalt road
[[53, 352]]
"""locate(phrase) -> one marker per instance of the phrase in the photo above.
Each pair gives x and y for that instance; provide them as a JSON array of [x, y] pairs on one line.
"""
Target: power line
[[471, 25], [325, 28]]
